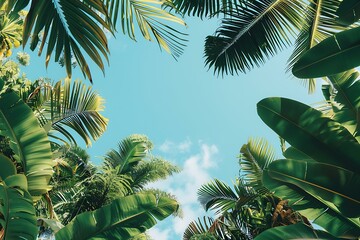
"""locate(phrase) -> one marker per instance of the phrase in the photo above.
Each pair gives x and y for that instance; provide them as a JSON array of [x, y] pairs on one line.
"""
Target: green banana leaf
[[295, 231], [7, 167], [331, 183], [335, 54], [348, 11], [293, 153], [319, 213], [124, 218], [308, 130], [348, 88], [29, 142], [17, 211]]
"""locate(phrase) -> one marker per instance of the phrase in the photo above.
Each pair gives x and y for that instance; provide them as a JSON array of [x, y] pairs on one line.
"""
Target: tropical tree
[[253, 31], [72, 28], [249, 209], [319, 174]]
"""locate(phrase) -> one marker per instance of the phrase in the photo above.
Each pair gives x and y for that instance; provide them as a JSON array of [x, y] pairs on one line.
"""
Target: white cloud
[[171, 147], [186, 184]]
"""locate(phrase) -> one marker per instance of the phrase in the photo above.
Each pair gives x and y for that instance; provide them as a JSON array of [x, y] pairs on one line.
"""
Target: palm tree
[[250, 208], [253, 31], [72, 28]]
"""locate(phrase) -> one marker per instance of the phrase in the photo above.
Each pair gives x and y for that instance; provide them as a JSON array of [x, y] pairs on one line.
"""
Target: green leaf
[[348, 11], [7, 167], [252, 34], [331, 183], [28, 141], [335, 54], [307, 129], [319, 213], [293, 153], [124, 218], [205, 8], [292, 232], [18, 219], [65, 26]]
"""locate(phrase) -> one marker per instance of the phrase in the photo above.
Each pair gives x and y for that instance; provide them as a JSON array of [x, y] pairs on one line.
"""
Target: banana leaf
[[331, 183], [335, 54], [29, 142], [308, 130], [295, 231], [124, 218], [16, 209], [348, 11]]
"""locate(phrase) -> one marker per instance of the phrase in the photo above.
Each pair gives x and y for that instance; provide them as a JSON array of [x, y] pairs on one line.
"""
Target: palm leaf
[[131, 151], [28, 141], [77, 108], [17, 219], [207, 227], [255, 156], [124, 218], [319, 24], [257, 31], [150, 171], [65, 26], [150, 19], [205, 8], [292, 232]]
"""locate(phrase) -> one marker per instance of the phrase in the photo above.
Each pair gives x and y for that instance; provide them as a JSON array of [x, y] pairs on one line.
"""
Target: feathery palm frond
[[150, 171], [255, 156], [130, 152], [207, 227], [150, 19], [257, 31], [68, 28], [205, 8], [78, 108], [320, 23]]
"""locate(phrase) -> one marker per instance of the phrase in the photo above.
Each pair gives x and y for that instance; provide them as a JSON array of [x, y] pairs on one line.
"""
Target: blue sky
[[195, 119]]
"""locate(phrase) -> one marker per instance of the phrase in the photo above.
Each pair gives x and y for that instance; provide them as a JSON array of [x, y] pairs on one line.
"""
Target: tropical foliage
[[249, 209], [78, 29], [253, 31]]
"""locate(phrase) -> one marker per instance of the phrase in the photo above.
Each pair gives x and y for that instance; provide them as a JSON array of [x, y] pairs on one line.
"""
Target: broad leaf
[[293, 153], [319, 24], [258, 30], [348, 87], [349, 11], [335, 54], [17, 212], [331, 183], [307, 129], [28, 141], [292, 232], [319, 213], [124, 218], [7, 167]]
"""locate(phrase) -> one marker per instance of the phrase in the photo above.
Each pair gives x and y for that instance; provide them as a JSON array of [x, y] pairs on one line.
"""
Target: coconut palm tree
[[69, 29]]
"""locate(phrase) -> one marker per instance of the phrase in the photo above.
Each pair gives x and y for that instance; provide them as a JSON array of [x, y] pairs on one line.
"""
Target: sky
[[195, 119]]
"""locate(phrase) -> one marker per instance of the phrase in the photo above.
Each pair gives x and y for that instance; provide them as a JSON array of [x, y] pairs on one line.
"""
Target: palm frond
[[77, 108], [130, 152], [258, 30], [207, 227], [255, 156], [205, 8], [69, 28], [320, 23], [218, 196], [150, 171], [152, 20]]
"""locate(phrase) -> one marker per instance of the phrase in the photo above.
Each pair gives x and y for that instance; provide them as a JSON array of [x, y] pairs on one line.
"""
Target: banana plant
[[320, 173]]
